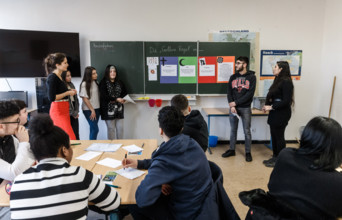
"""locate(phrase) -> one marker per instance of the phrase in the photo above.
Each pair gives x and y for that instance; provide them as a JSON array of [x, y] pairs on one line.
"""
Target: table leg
[[209, 134]]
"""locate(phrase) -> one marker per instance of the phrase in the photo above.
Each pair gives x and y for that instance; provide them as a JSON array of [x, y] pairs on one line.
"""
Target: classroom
[[312, 26]]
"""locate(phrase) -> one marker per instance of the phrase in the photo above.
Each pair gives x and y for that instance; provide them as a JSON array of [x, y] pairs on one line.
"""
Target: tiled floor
[[238, 174]]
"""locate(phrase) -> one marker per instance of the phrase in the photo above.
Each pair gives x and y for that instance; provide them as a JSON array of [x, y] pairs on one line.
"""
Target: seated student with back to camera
[[53, 189], [179, 176], [305, 181], [15, 154], [194, 123]]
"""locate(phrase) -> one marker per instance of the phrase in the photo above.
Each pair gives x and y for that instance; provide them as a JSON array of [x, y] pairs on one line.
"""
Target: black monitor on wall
[[22, 52]]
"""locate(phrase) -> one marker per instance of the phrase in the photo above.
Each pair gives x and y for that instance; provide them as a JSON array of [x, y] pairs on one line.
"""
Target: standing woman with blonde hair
[[279, 101], [58, 93], [89, 91]]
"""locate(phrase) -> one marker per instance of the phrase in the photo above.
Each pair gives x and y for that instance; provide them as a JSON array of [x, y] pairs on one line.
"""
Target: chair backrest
[[216, 172], [225, 206]]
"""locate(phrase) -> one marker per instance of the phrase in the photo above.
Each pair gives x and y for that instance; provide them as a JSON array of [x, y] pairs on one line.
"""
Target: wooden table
[[224, 112], [128, 187]]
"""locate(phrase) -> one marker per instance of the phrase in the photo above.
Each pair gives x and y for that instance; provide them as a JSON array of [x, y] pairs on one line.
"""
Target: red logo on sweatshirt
[[240, 83]]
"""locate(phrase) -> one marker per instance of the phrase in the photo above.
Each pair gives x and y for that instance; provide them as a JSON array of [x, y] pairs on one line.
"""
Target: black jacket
[[280, 100], [241, 89], [105, 98], [196, 127]]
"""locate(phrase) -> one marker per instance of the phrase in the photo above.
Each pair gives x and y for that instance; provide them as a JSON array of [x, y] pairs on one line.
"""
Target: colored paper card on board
[[206, 69], [168, 69], [187, 69], [225, 68]]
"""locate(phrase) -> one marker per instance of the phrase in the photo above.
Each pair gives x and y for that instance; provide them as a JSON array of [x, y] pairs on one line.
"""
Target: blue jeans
[[94, 128], [245, 115]]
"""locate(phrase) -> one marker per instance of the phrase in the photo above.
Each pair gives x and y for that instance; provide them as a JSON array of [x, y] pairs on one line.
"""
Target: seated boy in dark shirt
[[194, 124], [178, 178]]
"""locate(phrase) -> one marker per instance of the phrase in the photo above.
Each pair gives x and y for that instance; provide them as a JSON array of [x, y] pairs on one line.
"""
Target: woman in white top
[[89, 91]]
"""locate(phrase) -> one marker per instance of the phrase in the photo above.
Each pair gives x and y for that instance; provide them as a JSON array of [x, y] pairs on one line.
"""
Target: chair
[[217, 204]]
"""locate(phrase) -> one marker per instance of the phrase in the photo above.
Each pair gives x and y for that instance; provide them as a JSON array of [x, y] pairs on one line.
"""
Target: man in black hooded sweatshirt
[[241, 88], [194, 124]]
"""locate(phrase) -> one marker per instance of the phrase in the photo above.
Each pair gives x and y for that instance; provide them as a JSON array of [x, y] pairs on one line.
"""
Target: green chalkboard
[[220, 49], [169, 49], [130, 58], [127, 56]]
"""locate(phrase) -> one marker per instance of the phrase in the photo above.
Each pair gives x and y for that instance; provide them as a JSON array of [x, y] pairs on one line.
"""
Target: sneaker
[[228, 153], [270, 164], [269, 160], [249, 157]]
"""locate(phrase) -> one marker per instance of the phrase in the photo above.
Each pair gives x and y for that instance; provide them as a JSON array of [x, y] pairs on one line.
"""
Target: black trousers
[[75, 127], [278, 139], [157, 211]]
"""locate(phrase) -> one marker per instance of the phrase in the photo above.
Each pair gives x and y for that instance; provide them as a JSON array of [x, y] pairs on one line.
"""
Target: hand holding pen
[[127, 162]]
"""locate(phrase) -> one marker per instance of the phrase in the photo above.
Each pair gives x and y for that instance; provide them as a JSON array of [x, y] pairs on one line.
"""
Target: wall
[[331, 62], [284, 25]]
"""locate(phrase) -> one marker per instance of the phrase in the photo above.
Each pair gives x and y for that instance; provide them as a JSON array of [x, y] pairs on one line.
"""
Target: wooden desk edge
[[225, 112]]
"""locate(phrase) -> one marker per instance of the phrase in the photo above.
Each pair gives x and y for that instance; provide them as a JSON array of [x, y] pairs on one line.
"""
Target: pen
[[125, 158], [75, 144], [119, 187], [135, 152]]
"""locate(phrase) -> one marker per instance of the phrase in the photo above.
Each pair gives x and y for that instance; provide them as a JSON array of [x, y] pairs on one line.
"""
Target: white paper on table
[[104, 147], [88, 156], [130, 173], [128, 99], [109, 162], [133, 148]]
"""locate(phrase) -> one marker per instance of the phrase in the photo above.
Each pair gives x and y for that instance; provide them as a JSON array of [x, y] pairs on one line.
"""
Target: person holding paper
[[279, 101], [241, 88], [112, 91], [89, 91], [179, 177], [53, 189]]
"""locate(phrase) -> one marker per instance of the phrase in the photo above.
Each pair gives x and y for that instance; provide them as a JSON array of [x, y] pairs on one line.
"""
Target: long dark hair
[[88, 78], [52, 60], [45, 138], [285, 74], [322, 139], [107, 72]]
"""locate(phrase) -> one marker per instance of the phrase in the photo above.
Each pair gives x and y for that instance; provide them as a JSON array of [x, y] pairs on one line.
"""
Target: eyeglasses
[[11, 122]]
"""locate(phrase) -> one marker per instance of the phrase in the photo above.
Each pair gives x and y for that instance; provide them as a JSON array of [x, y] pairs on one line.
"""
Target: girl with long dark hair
[[306, 182], [279, 101], [58, 93], [112, 91], [89, 91], [73, 104]]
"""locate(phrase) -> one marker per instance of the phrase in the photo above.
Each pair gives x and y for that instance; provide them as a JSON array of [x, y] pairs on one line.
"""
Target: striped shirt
[[54, 189]]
